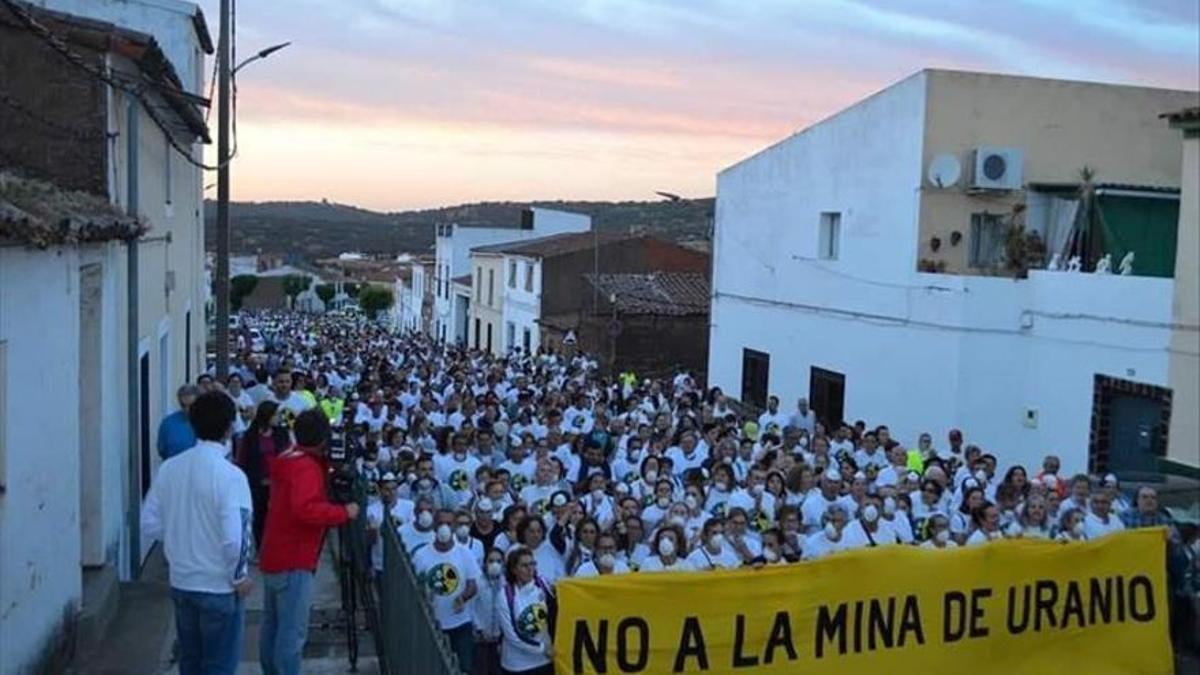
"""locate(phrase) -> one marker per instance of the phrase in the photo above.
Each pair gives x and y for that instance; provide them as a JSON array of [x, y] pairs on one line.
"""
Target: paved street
[[142, 635]]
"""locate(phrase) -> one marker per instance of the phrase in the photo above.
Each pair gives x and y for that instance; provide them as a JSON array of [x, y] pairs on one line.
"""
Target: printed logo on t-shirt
[[442, 579], [518, 481], [532, 621], [718, 510], [759, 521], [459, 480], [539, 507]]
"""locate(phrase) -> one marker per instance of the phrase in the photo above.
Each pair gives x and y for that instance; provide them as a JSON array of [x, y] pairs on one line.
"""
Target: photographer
[[297, 517]]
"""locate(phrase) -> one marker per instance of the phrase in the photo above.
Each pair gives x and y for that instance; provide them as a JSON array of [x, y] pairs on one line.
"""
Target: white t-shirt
[[445, 574], [458, 475], [1095, 528], [589, 569], [655, 564], [524, 625], [294, 404], [414, 539], [854, 535], [703, 559], [819, 546], [199, 506], [520, 474]]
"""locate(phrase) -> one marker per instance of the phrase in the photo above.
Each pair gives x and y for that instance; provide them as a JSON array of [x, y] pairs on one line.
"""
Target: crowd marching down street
[[505, 475]]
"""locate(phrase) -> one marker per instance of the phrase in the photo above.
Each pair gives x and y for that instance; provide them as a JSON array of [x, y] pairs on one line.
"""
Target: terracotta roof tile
[[664, 293]]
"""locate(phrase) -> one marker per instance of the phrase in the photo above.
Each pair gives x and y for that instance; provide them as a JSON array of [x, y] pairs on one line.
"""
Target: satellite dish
[[944, 171]]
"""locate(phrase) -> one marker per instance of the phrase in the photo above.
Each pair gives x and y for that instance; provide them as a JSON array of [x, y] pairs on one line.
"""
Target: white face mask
[[870, 514], [717, 541], [663, 502], [981, 476], [1077, 529], [606, 560], [443, 533], [770, 555], [635, 454], [651, 476], [889, 506], [756, 490], [666, 547], [942, 536], [463, 532], [494, 569], [425, 519], [692, 502], [831, 531], [678, 520]]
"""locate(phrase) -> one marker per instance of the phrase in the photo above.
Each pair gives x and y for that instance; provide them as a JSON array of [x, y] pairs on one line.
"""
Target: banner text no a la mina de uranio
[[1009, 607]]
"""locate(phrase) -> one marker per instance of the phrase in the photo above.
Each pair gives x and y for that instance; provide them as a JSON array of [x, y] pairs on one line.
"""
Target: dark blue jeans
[[462, 643], [287, 599], [209, 626]]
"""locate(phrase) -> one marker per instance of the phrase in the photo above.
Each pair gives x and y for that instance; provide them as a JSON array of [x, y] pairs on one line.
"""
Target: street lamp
[[223, 159], [261, 55]]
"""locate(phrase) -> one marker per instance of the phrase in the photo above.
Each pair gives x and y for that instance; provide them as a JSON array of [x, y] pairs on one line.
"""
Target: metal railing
[[409, 640]]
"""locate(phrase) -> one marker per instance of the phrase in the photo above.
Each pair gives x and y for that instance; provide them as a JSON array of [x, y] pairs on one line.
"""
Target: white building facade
[[452, 260], [74, 467], [515, 305], [819, 238]]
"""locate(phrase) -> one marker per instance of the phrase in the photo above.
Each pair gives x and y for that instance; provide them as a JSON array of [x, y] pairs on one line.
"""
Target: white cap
[[913, 476], [484, 504], [858, 475], [970, 483], [1110, 479], [833, 474], [388, 477], [1050, 480]]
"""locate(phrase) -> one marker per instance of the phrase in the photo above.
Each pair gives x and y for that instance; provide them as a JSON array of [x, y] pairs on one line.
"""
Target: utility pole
[[222, 280]]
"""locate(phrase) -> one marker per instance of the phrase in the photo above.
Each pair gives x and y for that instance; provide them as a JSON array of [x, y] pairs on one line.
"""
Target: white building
[[409, 292], [454, 243], [73, 463], [508, 302], [820, 237]]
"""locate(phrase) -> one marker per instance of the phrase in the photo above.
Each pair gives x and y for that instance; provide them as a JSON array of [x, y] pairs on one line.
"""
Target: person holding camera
[[298, 514]]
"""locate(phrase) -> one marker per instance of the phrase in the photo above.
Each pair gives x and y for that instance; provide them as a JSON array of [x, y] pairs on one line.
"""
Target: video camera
[[343, 473]]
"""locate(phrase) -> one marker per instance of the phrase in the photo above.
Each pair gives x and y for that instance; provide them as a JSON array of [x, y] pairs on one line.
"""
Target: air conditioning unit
[[997, 168]]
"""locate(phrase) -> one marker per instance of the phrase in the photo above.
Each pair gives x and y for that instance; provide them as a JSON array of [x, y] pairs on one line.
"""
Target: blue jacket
[[175, 435]]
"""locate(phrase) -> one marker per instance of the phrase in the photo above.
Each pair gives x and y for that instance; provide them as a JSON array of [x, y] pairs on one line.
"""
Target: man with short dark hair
[[298, 515], [199, 506]]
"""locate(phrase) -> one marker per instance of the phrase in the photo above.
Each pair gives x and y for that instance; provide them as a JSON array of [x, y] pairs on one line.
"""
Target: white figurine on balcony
[[1074, 264], [1104, 266], [1127, 264], [1055, 263]]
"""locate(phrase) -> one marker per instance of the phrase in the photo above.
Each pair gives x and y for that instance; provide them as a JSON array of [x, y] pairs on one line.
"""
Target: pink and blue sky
[[396, 104]]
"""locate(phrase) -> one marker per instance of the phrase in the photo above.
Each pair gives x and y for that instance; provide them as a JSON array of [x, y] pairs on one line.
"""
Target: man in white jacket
[[199, 507]]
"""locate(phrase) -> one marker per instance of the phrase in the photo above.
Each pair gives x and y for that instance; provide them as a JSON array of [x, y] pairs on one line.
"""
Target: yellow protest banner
[[1011, 607]]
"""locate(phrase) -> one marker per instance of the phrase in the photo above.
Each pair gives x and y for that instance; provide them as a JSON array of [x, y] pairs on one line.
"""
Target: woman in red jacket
[[297, 517]]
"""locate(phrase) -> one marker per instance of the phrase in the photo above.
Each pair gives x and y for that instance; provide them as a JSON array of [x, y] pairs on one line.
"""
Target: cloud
[[623, 93]]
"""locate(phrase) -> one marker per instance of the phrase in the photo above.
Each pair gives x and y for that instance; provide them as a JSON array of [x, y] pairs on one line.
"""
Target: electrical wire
[[60, 47], [900, 322]]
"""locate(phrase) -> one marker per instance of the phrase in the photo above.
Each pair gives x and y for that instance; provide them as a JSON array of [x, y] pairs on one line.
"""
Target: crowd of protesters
[[505, 475]]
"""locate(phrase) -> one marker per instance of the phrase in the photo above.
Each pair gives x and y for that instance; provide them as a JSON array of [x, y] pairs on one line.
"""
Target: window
[[526, 340], [491, 287], [478, 283], [489, 337], [756, 367], [476, 333], [510, 335], [831, 234], [987, 239], [529, 277], [512, 273]]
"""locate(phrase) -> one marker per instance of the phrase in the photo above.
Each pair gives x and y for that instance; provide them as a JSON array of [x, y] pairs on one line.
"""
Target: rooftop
[[663, 293], [39, 214], [555, 244]]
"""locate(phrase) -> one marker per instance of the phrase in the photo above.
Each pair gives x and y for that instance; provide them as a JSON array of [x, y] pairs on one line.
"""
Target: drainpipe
[[133, 512]]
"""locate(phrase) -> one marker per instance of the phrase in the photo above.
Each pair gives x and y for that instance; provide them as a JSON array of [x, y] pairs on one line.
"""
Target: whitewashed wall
[[522, 308], [920, 352], [40, 580]]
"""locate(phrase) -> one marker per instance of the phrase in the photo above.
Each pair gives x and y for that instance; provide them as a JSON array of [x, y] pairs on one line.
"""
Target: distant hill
[[314, 230]]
